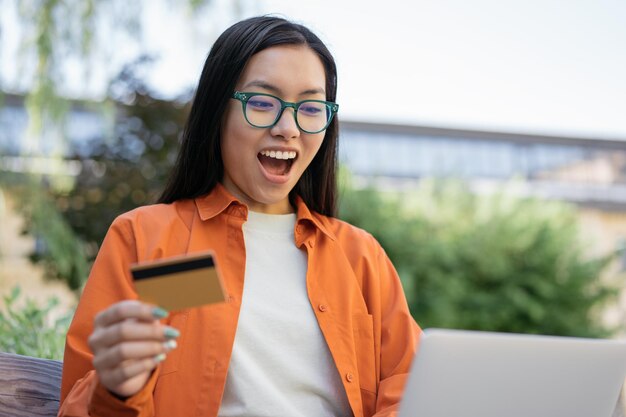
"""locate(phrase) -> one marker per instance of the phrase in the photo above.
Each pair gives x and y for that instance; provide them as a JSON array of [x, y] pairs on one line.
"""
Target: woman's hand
[[128, 342]]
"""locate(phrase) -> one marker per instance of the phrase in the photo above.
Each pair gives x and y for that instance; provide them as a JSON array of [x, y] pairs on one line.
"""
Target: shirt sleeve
[[109, 282], [400, 336]]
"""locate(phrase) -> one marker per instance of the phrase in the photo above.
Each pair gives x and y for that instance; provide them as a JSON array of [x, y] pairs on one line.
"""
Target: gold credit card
[[180, 282]]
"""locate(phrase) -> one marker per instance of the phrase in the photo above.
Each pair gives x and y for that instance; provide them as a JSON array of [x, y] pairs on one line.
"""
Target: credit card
[[180, 282]]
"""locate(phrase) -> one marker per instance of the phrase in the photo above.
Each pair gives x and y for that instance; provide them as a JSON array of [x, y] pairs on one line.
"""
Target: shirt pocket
[[171, 363], [363, 327]]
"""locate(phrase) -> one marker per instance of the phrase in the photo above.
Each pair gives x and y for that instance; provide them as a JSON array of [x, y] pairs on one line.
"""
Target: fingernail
[[159, 358], [159, 313], [170, 345], [171, 332]]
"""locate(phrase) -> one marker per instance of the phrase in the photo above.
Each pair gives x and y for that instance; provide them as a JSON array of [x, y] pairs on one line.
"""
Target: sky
[[531, 66], [552, 66]]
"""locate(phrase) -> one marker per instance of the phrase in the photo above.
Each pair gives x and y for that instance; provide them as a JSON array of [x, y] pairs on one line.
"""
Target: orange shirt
[[353, 288]]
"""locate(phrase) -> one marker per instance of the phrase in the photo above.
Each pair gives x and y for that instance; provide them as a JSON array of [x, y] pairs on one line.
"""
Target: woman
[[321, 326]]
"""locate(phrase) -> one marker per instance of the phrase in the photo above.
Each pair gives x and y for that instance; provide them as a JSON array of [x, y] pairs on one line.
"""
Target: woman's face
[[293, 73]]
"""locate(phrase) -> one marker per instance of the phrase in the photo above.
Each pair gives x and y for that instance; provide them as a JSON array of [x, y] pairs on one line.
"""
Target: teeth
[[279, 154]]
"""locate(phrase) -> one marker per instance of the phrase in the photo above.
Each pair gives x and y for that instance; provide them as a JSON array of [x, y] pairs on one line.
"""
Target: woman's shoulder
[[361, 250], [348, 234]]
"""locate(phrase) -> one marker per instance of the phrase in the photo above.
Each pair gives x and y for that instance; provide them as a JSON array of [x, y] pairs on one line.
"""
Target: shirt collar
[[219, 200], [304, 215], [215, 202]]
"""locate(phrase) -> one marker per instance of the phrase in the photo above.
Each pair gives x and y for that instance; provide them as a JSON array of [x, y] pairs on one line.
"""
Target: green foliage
[[53, 32], [118, 174], [495, 263], [126, 171], [28, 330], [62, 254], [58, 248]]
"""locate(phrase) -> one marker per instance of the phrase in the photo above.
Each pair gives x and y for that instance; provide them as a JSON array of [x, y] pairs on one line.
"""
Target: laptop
[[480, 374]]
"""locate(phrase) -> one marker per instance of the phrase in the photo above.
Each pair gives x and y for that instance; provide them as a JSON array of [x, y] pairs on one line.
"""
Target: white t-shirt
[[281, 364]]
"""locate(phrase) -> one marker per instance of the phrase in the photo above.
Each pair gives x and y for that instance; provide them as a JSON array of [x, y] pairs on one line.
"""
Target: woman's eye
[[260, 104], [310, 109]]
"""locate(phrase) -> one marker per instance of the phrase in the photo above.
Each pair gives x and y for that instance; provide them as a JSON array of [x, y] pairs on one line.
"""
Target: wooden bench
[[29, 387]]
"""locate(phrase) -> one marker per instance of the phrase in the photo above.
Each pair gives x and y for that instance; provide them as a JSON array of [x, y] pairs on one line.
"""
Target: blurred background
[[482, 143]]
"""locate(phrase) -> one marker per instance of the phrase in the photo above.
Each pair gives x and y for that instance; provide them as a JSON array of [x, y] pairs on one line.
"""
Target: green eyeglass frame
[[331, 107]]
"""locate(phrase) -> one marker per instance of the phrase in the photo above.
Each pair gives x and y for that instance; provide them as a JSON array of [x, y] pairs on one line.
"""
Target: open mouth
[[277, 162]]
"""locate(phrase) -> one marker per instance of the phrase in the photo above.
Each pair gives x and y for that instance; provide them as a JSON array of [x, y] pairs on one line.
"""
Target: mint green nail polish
[[159, 358], [159, 313], [171, 332]]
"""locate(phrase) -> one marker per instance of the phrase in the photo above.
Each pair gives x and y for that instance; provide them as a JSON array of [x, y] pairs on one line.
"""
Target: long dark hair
[[199, 166]]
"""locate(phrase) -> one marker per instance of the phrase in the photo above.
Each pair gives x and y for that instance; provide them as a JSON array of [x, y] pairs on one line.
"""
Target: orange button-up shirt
[[354, 290]]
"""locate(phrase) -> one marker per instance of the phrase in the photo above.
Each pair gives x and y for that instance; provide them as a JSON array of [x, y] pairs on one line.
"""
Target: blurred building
[[21, 150], [586, 171]]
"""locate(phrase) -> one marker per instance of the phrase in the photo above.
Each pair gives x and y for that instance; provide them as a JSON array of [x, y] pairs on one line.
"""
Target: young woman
[[316, 322]]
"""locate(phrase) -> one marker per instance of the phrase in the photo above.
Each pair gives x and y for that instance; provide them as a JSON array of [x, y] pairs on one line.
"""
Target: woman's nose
[[286, 127]]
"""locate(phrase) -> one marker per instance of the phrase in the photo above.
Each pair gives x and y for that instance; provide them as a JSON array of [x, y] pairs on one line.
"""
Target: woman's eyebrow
[[267, 86], [262, 84], [313, 91]]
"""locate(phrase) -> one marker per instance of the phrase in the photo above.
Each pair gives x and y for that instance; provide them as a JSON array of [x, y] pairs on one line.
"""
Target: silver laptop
[[481, 374]]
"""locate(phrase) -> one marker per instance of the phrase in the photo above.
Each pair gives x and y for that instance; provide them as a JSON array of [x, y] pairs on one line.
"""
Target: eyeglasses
[[264, 110]]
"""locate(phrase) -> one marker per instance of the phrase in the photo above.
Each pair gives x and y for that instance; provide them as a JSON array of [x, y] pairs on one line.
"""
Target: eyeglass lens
[[262, 111]]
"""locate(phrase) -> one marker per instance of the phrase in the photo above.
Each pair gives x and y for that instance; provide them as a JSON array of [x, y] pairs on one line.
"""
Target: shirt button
[[349, 377], [323, 307]]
